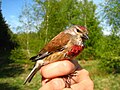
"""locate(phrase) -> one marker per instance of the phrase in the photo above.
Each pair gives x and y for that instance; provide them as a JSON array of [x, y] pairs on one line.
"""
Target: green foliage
[[110, 64], [19, 54], [36, 42], [83, 13], [55, 17], [49, 17], [110, 58], [112, 14], [58, 15]]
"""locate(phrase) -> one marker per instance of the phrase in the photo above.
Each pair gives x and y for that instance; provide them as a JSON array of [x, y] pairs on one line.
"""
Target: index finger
[[57, 69]]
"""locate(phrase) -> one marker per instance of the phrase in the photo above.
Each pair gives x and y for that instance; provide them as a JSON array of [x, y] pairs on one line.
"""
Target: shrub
[[19, 54], [110, 63]]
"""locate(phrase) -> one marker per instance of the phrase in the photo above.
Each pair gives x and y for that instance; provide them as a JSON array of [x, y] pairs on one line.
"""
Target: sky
[[11, 10]]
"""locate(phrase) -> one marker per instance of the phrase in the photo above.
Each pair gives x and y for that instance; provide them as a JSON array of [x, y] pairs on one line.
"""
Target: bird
[[64, 46]]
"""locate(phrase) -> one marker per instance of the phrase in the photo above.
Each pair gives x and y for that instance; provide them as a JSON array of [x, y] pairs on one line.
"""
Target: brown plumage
[[56, 43]]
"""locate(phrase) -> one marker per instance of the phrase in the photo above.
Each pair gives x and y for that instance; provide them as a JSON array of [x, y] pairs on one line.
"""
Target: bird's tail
[[33, 58], [40, 56], [31, 75]]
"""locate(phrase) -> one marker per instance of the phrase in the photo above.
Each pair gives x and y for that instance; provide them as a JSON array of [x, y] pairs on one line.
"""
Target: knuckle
[[68, 67], [57, 84], [86, 72]]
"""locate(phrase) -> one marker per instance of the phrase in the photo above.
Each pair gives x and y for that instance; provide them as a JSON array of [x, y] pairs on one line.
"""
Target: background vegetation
[[44, 19]]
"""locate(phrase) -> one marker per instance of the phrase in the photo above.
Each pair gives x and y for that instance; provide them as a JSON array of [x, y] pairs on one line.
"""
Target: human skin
[[52, 79]]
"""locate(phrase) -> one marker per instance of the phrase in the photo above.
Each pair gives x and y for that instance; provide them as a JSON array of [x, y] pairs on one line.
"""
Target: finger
[[83, 85], [59, 68], [81, 75], [44, 81], [54, 84], [82, 81], [78, 76], [67, 89]]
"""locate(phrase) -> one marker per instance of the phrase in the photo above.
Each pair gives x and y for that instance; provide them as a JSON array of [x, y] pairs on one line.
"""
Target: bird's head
[[81, 31]]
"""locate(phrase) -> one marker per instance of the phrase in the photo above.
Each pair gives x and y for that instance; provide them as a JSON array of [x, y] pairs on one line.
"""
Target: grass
[[12, 76], [101, 79]]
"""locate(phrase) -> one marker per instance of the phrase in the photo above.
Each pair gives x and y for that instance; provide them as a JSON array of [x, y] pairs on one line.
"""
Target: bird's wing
[[56, 44]]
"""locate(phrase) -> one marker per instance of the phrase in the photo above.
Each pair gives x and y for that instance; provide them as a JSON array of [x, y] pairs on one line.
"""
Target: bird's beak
[[85, 36]]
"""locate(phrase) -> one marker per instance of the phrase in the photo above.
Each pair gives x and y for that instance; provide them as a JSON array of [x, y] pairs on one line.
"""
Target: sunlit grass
[[102, 80], [13, 75]]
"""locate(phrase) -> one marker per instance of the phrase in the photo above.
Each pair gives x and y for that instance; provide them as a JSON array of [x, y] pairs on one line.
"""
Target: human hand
[[53, 81]]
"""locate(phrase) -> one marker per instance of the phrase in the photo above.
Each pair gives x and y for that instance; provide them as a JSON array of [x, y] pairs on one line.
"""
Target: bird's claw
[[67, 79]]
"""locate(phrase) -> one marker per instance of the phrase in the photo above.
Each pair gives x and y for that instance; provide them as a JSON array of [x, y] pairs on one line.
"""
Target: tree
[[6, 36], [88, 18], [111, 10], [111, 56], [26, 26], [60, 14]]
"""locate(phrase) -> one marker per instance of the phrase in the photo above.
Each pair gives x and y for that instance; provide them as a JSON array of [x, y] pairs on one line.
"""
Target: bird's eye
[[78, 30]]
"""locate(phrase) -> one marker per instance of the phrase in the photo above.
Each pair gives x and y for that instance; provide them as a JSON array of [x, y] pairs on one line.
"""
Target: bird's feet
[[67, 79]]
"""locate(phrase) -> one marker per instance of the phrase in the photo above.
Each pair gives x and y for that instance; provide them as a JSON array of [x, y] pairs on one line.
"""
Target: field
[[12, 76]]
